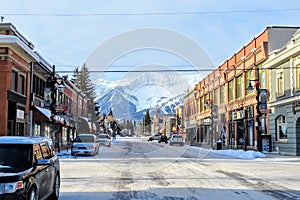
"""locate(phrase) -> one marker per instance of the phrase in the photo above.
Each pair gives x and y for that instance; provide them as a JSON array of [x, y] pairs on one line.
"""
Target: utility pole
[[31, 133], [53, 105]]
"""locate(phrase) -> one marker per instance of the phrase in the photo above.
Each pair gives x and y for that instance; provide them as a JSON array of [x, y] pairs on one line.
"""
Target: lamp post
[[258, 112], [210, 105], [51, 97]]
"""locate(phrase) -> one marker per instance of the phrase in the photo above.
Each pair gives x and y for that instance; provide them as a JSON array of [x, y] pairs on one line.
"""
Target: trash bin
[[219, 145]]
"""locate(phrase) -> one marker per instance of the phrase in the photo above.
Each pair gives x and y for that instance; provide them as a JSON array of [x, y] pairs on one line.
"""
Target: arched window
[[281, 129]]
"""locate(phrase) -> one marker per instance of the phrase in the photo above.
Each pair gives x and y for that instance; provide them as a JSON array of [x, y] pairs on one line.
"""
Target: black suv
[[29, 169]]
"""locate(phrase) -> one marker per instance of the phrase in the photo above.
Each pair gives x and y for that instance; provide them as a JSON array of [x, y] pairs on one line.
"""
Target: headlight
[[12, 187]]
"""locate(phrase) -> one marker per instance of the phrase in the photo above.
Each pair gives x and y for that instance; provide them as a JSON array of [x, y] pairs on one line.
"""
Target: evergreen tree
[[85, 85], [147, 122]]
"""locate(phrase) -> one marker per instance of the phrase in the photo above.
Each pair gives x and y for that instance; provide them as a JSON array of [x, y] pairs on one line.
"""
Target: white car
[[104, 139], [176, 139], [85, 144]]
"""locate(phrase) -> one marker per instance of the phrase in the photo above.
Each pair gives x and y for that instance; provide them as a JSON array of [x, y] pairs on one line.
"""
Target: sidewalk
[[249, 154]]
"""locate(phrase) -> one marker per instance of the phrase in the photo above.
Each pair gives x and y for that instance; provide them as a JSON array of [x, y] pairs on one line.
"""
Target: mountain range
[[134, 93]]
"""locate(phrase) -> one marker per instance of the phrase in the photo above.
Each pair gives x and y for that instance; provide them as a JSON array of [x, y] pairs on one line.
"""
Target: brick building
[[24, 75], [224, 106]]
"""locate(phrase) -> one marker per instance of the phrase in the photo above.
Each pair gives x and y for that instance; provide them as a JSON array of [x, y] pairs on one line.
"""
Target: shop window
[[281, 128], [37, 130]]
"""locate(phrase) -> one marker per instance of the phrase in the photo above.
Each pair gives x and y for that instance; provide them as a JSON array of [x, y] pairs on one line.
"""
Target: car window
[[103, 136], [45, 150], [37, 152], [85, 138], [177, 136], [15, 156]]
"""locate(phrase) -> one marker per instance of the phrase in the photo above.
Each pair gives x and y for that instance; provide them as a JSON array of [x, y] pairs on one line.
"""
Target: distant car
[[85, 144], [29, 168], [154, 137], [176, 140], [163, 138], [104, 139]]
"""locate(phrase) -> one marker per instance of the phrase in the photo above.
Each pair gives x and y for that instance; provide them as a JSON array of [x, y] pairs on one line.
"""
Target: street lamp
[[258, 112], [211, 106]]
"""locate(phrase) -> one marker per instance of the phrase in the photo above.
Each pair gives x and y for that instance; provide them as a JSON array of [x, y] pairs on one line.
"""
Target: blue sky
[[67, 32]]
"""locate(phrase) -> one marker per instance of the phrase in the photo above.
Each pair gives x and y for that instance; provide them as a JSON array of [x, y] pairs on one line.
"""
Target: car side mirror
[[45, 162]]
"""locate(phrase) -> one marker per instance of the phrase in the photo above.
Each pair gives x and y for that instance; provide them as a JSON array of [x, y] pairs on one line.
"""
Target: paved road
[[148, 170]]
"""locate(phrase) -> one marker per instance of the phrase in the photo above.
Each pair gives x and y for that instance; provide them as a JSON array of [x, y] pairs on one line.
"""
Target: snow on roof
[[11, 39]]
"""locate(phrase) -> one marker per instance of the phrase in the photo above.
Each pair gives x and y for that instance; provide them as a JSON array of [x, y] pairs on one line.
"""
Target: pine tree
[[147, 122], [85, 85]]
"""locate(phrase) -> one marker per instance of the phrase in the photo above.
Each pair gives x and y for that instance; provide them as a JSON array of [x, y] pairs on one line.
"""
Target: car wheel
[[32, 194], [56, 188]]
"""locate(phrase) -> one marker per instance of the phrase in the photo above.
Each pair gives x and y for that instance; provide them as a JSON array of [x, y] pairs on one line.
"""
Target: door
[[41, 175]]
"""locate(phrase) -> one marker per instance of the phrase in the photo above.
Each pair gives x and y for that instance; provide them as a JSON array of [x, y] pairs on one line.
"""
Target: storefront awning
[[45, 115], [68, 120]]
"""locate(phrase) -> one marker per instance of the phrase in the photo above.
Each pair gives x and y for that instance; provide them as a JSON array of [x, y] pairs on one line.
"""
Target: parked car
[[154, 137], [104, 139], [163, 138], [176, 139], [29, 168], [85, 144]]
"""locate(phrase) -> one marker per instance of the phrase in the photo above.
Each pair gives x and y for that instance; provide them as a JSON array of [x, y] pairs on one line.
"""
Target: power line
[[153, 13]]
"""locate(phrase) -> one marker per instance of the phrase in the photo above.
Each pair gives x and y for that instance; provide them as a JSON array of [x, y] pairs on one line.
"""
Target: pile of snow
[[240, 153]]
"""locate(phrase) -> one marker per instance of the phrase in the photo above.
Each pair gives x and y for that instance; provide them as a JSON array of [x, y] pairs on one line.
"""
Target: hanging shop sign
[[206, 121], [237, 115], [47, 97], [20, 114], [263, 97]]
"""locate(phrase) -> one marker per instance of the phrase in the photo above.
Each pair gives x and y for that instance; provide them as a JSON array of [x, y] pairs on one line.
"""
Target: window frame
[[21, 84], [239, 85], [281, 121], [231, 90], [298, 77], [280, 83], [14, 81]]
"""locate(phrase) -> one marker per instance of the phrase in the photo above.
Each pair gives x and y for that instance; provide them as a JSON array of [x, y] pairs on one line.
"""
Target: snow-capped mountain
[[130, 97]]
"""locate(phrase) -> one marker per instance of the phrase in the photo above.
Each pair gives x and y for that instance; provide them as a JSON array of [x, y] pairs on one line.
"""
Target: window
[[14, 79], [216, 96], [222, 95], [206, 101], [38, 86], [249, 76], [298, 77], [280, 88], [230, 91], [239, 87], [281, 128], [22, 84], [202, 104]]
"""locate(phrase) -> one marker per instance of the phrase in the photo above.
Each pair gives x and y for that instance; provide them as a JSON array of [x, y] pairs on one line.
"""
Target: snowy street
[[137, 169]]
